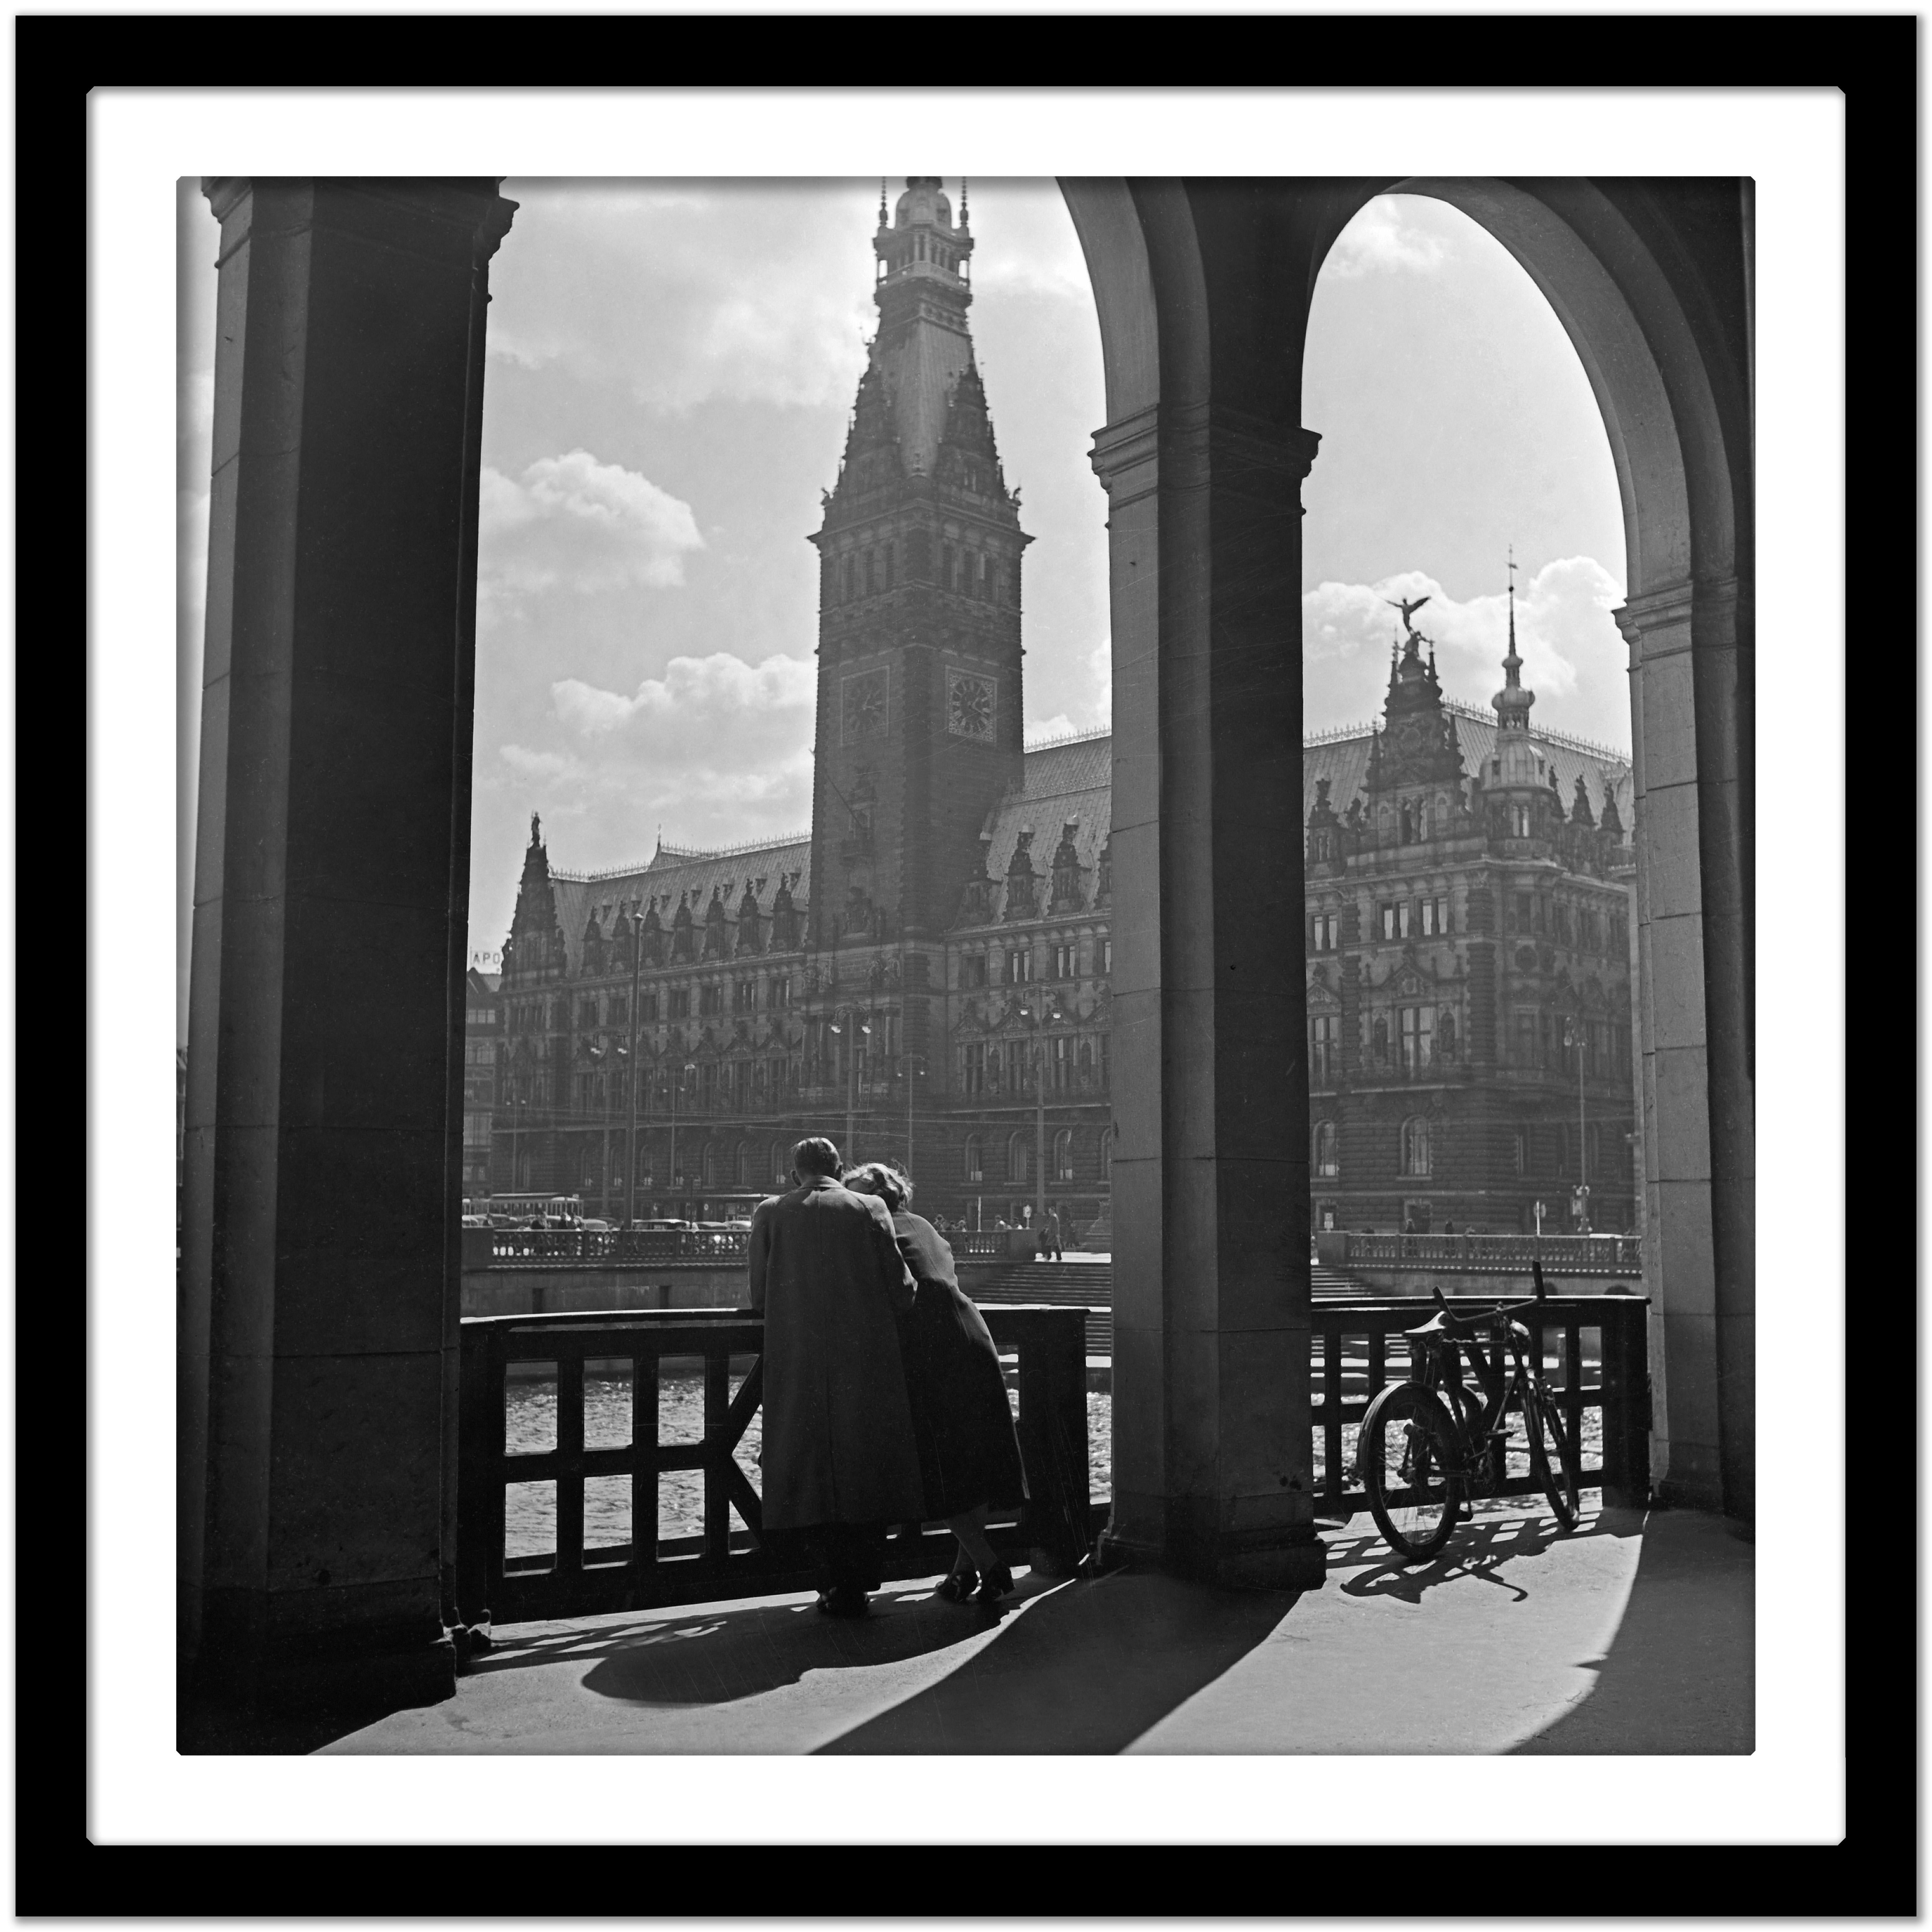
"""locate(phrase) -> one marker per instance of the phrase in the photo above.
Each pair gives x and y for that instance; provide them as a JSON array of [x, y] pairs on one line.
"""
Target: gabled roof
[[671, 875], [1075, 780]]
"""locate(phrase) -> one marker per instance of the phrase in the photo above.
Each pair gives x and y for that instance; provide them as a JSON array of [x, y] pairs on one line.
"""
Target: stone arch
[[1202, 289]]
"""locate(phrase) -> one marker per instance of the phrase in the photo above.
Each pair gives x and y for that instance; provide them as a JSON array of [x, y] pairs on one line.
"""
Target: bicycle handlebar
[[1502, 1310]]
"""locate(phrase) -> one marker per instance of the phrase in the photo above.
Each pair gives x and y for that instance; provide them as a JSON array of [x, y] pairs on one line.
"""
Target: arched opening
[[1197, 387]]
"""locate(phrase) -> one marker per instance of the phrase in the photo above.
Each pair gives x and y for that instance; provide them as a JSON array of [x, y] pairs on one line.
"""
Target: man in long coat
[[839, 1458]]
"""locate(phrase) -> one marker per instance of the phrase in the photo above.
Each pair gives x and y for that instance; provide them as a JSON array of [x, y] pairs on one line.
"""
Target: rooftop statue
[[1409, 607]]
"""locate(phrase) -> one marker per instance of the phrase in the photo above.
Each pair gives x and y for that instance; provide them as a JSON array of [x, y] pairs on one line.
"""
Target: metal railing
[[1578, 1335], [1490, 1254], [1594, 1349], [1054, 1531]]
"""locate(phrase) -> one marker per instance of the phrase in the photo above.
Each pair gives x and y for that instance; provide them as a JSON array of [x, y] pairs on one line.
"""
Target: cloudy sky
[[671, 366]]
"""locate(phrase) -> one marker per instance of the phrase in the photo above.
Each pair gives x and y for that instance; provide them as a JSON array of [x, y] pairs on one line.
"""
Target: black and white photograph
[[968, 963]]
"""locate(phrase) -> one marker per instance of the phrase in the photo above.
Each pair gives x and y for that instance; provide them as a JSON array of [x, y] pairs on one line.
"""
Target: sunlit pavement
[[1633, 1635]]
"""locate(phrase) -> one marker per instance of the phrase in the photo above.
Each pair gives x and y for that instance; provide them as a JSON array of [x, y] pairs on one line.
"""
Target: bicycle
[[1427, 1444]]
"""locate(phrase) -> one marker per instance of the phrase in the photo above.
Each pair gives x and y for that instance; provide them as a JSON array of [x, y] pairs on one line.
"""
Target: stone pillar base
[[1292, 1560], [359, 1681]]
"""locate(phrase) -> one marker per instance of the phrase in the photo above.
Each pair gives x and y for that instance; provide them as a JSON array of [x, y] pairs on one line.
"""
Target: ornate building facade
[[926, 975]]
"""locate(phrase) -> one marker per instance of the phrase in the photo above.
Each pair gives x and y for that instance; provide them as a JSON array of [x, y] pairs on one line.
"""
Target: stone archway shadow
[[1090, 1667]]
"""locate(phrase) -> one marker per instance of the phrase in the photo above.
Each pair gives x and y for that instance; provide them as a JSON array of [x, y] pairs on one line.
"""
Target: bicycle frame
[[1481, 1440]]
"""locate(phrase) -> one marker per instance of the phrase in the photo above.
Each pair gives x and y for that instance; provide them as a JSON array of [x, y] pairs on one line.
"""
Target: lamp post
[[1037, 1021], [676, 1086], [855, 1025], [911, 1065], [1573, 1036], [631, 1090]]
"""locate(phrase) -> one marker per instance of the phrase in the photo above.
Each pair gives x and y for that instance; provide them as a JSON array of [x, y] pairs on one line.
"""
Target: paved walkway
[[1634, 1635]]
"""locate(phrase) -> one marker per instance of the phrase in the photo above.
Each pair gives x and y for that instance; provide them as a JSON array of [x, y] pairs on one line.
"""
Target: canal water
[[530, 1508]]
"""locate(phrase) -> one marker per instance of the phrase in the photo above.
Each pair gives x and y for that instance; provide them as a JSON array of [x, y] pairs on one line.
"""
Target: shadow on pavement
[[1479, 1549], [1088, 1670], [1680, 1676], [676, 1659]]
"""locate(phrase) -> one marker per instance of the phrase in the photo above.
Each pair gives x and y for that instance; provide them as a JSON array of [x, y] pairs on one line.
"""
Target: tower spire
[[1512, 702], [882, 217], [962, 202]]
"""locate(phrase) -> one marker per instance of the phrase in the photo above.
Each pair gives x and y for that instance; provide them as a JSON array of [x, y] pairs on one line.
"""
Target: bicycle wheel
[[1553, 1455], [1408, 1459]]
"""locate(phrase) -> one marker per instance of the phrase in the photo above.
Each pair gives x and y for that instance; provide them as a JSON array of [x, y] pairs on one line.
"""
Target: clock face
[[865, 706], [969, 705]]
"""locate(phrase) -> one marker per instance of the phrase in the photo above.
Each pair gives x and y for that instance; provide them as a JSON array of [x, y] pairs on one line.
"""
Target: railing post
[[473, 1483], [1627, 1407], [1052, 1425]]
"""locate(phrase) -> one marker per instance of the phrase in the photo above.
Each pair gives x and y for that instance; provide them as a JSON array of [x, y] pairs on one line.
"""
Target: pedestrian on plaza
[[1054, 1235], [969, 1451], [840, 1465]]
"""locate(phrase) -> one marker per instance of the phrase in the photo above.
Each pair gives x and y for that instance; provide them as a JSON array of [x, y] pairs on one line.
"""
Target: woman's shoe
[[958, 1587], [994, 1585]]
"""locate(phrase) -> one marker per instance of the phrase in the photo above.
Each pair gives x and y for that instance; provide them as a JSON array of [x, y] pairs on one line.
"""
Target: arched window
[[1016, 1158], [781, 1159], [973, 1167], [1106, 1154], [1328, 1162], [744, 1164], [1062, 1154], [713, 1161], [1415, 1146]]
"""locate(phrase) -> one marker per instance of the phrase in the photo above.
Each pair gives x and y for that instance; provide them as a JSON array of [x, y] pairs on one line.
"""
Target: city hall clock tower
[[919, 711]]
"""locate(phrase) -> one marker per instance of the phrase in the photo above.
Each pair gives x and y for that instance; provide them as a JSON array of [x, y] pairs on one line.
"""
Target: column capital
[[1203, 442], [1125, 457], [1214, 444], [452, 216], [1657, 623]]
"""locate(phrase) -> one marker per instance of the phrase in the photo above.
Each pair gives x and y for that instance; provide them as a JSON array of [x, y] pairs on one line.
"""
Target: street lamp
[[860, 1026], [630, 1087], [910, 1065], [676, 1087], [1036, 1021], [600, 1053], [1573, 1036]]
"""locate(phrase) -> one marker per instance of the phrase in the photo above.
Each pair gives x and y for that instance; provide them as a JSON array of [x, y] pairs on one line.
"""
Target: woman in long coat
[[969, 1451]]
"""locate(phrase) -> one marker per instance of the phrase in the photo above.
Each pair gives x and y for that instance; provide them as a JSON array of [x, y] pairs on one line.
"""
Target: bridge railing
[[593, 1247], [1487, 1254], [727, 1559], [1595, 1356]]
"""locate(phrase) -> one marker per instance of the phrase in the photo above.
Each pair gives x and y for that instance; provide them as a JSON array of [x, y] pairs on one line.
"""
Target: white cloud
[[1574, 655], [1378, 242], [716, 751], [751, 291], [572, 522], [543, 766], [695, 695]]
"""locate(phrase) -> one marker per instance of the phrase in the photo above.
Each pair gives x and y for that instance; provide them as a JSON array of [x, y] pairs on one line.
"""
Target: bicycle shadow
[[1479, 1550]]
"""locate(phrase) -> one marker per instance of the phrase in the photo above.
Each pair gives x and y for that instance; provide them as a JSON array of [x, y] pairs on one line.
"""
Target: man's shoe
[[843, 1602]]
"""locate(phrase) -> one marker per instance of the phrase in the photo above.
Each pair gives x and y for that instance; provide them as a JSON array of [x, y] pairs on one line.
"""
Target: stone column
[[1212, 1451], [320, 1267], [1689, 865]]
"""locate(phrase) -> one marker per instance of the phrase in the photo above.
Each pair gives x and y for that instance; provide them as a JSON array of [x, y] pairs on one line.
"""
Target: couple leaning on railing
[[884, 1401]]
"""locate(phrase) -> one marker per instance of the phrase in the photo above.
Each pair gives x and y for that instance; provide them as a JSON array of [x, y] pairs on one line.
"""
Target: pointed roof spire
[[884, 218], [962, 201], [1512, 702]]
